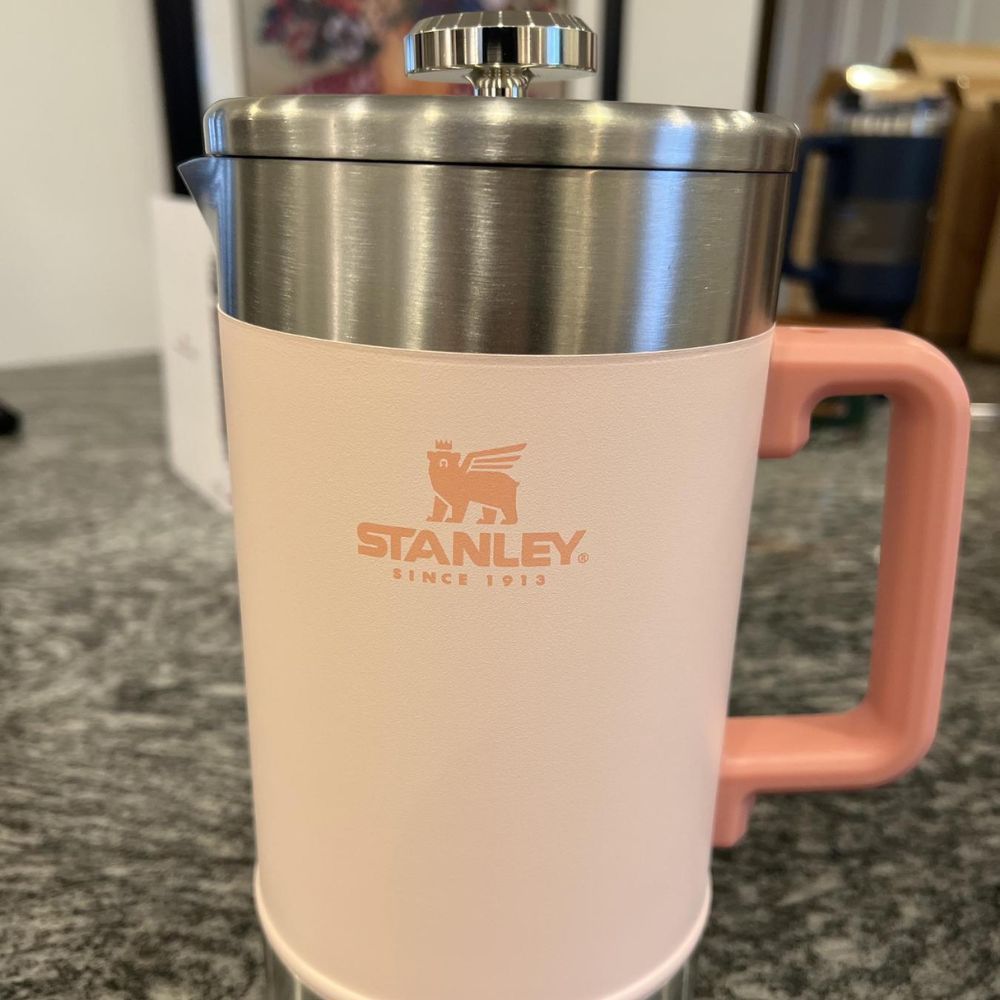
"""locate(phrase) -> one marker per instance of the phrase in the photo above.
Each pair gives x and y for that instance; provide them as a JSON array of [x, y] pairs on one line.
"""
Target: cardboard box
[[963, 214], [189, 338], [984, 338], [938, 60], [967, 190]]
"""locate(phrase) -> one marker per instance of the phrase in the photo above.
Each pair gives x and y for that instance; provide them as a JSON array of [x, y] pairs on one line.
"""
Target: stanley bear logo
[[478, 478]]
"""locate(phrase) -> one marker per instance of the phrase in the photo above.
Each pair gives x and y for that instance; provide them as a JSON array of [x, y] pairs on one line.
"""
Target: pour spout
[[205, 179]]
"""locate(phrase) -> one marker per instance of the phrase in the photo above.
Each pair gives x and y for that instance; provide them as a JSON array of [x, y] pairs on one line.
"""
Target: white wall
[[83, 151], [220, 50], [592, 12], [700, 53]]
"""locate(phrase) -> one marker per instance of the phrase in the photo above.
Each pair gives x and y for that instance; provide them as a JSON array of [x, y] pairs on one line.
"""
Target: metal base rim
[[282, 984]]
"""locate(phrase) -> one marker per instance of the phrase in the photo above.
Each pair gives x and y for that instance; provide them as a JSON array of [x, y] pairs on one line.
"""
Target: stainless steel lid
[[501, 132], [399, 221]]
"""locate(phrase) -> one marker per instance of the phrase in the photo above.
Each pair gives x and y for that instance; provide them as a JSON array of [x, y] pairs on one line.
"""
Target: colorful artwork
[[342, 46]]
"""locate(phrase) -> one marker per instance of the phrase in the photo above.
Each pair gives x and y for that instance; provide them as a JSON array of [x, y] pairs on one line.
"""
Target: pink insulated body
[[483, 767]]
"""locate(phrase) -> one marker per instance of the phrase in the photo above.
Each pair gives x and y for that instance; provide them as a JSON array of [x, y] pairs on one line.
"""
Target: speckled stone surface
[[125, 830]]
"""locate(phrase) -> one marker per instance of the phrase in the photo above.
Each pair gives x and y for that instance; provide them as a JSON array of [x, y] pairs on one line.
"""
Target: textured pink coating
[[463, 789], [894, 725]]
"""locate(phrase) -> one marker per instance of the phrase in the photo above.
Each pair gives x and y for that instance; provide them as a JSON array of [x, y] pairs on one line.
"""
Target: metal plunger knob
[[501, 52]]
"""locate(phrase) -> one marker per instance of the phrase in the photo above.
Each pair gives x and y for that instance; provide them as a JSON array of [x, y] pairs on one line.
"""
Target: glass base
[[282, 985]]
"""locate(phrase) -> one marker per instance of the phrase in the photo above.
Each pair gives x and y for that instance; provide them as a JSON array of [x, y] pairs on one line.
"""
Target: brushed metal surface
[[282, 984], [500, 51], [526, 133], [494, 260]]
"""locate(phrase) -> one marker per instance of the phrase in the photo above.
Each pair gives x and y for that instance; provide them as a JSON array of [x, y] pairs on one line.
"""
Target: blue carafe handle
[[834, 146]]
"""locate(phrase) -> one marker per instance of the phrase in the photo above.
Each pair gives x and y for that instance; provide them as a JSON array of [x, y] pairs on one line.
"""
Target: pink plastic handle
[[893, 726]]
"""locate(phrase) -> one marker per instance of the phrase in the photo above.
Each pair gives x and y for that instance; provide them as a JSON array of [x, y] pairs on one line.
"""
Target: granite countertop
[[125, 829]]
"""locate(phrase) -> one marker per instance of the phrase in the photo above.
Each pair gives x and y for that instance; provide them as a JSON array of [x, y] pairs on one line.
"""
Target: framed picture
[[258, 47], [343, 46]]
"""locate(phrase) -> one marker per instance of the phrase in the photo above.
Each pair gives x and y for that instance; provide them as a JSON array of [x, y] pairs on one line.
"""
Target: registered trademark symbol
[[583, 557]]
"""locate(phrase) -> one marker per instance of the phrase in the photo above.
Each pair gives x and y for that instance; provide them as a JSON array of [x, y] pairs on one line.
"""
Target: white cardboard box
[[189, 338]]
